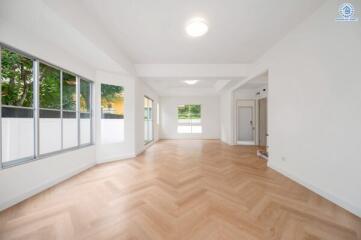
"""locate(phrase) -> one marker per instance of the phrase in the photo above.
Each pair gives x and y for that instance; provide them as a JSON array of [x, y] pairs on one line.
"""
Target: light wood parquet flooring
[[180, 189]]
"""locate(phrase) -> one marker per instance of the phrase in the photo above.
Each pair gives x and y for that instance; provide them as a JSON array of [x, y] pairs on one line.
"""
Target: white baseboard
[[248, 143], [44, 186], [349, 207], [117, 158]]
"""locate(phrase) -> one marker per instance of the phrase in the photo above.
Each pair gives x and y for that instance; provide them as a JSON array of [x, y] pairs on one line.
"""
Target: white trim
[[117, 158], [246, 143], [348, 206], [44, 186]]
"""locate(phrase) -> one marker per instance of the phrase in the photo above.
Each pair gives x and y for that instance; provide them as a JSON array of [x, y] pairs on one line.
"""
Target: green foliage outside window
[[17, 81], [69, 92], [49, 87], [17, 84], [110, 93], [84, 96], [190, 111]]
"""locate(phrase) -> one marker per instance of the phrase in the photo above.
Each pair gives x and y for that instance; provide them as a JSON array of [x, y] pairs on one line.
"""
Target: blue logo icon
[[346, 13]]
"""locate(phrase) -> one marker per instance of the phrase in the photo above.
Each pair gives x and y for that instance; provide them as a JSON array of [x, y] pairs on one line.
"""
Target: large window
[[112, 113], [17, 107], [148, 120], [189, 118], [42, 109]]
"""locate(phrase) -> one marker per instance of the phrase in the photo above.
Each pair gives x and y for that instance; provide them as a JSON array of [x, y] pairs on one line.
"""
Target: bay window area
[[44, 109]]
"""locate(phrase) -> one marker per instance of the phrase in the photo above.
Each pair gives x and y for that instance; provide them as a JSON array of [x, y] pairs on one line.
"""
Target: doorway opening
[[246, 122], [251, 110]]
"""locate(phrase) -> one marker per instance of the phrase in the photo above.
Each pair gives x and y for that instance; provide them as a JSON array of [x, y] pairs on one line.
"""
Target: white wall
[[226, 114], [209, 114], [314, 105], [20, 182]]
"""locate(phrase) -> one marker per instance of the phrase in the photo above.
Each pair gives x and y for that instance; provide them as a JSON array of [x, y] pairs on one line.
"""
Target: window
[[17, 107], [43, 109], [112, 113], [70, 121], [85, 112], [50, 119], [189, 119], [148, 120]]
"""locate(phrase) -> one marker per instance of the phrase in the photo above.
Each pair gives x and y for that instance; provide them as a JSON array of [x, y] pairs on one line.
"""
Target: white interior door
[[245, 123]]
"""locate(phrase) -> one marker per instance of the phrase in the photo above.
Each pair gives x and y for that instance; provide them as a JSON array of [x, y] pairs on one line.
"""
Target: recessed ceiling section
[[178, 87], [240, 31]]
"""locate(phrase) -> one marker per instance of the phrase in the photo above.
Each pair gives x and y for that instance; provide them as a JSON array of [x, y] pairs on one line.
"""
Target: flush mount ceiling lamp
[[196, 27], [191, 82]]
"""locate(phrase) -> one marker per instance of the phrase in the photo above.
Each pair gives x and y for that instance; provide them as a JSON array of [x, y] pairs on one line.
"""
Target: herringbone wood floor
[[180, 190]]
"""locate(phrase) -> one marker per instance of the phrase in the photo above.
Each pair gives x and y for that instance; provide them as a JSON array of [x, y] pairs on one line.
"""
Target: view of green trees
[[49, 79], [190, 111], [17, 84], [84, 96], [69, 92], [110, 93]]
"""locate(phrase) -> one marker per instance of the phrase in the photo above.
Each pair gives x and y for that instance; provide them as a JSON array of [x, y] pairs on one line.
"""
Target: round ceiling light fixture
[[190, 82], [196, 27]]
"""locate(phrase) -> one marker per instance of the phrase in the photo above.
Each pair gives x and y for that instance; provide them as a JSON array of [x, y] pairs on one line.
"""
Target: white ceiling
[[256, 82], [150, 33], [240, 31], [177, 86]]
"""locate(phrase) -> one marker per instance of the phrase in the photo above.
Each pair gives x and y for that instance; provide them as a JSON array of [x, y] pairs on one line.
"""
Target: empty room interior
[[170, 119]]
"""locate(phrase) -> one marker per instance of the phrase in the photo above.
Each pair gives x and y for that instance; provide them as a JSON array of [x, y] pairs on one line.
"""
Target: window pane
[[50, 131], [70, 130], [85, 128], [17, 134], [148, 122], [17, 79], [112, 113], [189, 118], [49, 87], [17, 90], [84, 96], [69, 92]]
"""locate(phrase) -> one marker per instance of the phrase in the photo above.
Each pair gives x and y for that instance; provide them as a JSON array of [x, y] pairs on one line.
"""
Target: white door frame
[[252, 104]]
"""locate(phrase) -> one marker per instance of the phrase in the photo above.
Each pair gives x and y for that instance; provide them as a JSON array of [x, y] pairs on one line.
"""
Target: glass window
[[189, 118], [17, 113], [112, 113], [50, 115], [85, 112], [70, 121], [61, 112], [148, 120]]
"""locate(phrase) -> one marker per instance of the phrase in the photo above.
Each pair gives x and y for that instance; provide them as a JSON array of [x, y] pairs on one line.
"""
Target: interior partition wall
[[44, 109]]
